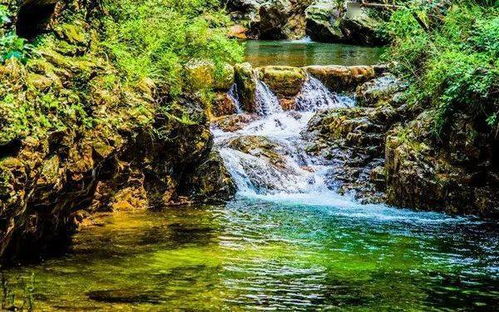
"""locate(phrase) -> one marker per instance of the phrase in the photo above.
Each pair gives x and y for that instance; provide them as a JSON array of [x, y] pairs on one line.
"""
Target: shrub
[[11, 46], [453, 64], [156, 39]]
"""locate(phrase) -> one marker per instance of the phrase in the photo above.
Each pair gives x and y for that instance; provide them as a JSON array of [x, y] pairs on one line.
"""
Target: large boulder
[[329, 21], [272, 19], [284, 81], [321, 22], [201, 74]]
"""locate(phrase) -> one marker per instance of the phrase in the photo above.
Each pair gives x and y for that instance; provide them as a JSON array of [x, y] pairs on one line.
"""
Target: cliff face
[[75, 138]]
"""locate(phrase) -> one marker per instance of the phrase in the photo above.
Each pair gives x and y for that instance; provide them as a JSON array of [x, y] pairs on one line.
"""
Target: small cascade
[[268, 156], [315, 96], [234, 96], [266, 101]]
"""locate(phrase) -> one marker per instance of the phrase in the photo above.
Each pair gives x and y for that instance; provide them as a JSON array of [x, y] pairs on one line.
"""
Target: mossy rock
[[203, 75], [284, 81], [246, 81]]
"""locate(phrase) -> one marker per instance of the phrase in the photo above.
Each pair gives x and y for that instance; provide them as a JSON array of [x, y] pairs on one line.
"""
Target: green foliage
[[11, 46], [108, 72], [453, 64], [155, 39]]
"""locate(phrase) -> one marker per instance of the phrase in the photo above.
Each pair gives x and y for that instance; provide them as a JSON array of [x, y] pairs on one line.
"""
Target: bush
[[156, 39], [453, 64]]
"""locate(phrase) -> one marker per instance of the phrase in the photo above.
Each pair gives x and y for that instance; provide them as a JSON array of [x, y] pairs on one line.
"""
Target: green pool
[[304, 53], [281, 255]]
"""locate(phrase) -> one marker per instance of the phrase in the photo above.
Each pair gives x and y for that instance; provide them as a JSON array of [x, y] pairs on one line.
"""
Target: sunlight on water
[[255, 254]]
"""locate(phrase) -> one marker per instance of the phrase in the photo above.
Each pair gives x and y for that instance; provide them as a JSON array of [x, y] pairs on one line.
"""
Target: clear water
[[305, 52], [287, 244], [274, 255]]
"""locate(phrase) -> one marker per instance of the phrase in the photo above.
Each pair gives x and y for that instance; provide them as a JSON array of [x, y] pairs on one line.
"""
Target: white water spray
[[273, 160]]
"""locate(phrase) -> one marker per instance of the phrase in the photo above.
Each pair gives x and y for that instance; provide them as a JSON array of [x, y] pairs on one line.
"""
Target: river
[[287, 242]]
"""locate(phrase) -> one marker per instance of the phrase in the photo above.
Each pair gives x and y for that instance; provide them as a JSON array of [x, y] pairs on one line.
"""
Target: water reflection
[[254, 254], [304, 53]]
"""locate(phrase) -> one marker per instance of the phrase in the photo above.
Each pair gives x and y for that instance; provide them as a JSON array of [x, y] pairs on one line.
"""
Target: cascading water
[[234, 96], [314, 96], [268, 156], [267, 102]]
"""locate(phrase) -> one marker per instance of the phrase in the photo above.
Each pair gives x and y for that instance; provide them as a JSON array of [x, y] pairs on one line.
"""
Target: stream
[[287, 242]]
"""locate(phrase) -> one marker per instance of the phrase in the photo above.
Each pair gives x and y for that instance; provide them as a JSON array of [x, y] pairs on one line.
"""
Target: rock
[[422, 174], [238, 32], [211, 181], [246, 80], [284, 81], [327, 21], [341, 78], [222, 105], [232, 123], [273, 18], [321, 22], [358, 27], [379, 91], [200, 74], [260, 147], [125, 296], [353, 140]]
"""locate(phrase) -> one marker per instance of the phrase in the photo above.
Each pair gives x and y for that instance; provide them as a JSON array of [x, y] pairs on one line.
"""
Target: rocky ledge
[[286, 82], [386, 151]]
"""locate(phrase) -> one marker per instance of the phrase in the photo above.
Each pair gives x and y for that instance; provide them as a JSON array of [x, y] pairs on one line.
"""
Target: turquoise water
[[305, 52], [275, 255]]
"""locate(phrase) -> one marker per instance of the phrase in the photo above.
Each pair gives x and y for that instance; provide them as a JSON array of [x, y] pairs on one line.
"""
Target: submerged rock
[[125, 296]]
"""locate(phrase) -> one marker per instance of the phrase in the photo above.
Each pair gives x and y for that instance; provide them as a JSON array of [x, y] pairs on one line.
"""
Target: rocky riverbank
[[76, 138], [321, 20], [388, 153]]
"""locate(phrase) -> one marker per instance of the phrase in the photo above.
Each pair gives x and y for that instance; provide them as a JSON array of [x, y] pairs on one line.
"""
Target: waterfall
[[234, 96], [266, 101], [315, 96], [267, 156]]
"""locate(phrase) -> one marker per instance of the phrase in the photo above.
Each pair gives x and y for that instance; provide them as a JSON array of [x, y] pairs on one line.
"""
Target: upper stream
[[305, 52], [287, 242]]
